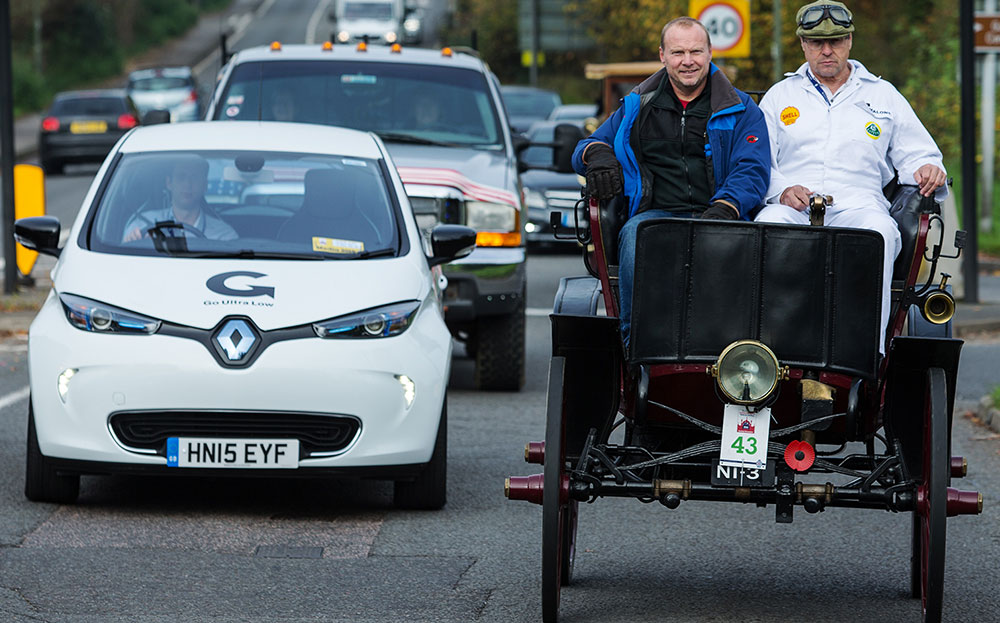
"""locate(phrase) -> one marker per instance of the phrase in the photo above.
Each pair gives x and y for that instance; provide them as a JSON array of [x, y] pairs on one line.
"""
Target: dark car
[[526, 105], [547, 191], [83, 126]]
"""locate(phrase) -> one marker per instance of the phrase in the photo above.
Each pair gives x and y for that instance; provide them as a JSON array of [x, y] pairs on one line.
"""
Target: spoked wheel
[[930, 516], [558, 515], [569, 516]]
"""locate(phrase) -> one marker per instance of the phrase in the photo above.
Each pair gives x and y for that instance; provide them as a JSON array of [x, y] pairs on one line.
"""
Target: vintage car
[[783, 400]]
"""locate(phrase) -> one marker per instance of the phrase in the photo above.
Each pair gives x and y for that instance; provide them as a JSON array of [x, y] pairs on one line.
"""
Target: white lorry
[[375, 21]]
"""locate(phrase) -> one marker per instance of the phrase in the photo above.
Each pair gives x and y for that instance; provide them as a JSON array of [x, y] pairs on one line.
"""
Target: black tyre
[[930, 516], [554, 509], [499, 348], [41, 482], [51, 166], [429, 490]]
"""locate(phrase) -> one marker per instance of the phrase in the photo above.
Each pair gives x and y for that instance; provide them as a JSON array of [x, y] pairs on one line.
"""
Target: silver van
[[440, 114]]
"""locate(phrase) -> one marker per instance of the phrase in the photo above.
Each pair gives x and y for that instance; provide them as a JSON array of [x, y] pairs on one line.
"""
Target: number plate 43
[[744, 437]]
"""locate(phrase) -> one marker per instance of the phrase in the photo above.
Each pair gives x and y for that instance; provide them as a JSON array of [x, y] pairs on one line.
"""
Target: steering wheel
[[156, 231]]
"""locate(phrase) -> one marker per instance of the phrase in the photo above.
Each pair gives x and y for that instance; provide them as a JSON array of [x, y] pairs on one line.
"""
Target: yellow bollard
[[29, 200]]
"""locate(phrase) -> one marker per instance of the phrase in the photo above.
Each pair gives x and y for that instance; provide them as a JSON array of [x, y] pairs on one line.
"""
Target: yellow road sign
[[728, 23], [29, 200]]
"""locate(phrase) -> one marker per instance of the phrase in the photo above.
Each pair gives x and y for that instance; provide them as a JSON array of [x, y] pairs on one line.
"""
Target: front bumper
[[157, 373], [489, 282]]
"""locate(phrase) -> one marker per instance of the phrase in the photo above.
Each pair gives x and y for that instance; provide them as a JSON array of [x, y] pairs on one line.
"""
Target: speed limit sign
[[728, 23]]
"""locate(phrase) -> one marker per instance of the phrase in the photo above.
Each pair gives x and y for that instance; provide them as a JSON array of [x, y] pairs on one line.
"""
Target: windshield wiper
[[397, 137], [250, 254]]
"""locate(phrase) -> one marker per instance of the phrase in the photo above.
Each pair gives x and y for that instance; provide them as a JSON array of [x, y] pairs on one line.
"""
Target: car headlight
[[383, 321], [747, 372], [88, 315], [534, 199], [485, 216]]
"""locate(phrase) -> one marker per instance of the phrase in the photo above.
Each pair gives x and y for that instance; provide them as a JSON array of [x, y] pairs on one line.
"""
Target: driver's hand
[[796, 197], [135, 234], [929, 178]]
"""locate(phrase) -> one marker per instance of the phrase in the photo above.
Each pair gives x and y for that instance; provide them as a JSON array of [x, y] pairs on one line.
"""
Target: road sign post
[[728, 23]]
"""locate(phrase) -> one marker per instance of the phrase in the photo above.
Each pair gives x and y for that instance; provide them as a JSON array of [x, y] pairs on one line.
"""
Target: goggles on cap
[[812, 16]]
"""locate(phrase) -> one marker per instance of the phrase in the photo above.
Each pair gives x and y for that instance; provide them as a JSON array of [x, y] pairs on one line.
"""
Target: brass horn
[[937, 307]]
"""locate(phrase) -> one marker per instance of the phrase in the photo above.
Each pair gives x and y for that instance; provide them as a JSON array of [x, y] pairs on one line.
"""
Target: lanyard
[[819, 88]]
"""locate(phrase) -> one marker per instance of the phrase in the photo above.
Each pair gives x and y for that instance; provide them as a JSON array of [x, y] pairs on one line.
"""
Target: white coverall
[[845, 144]]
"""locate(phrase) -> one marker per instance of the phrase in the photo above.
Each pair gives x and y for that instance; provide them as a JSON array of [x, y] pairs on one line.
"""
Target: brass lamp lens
[[748, 372]]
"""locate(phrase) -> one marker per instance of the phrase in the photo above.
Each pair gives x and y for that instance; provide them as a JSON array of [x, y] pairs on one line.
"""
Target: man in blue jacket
[[684, 143]]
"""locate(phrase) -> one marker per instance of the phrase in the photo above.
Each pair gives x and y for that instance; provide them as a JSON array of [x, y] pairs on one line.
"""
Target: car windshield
[[530, 103], [246, 204], [401, 102], [368, 10], [160, 83], [88, 106]]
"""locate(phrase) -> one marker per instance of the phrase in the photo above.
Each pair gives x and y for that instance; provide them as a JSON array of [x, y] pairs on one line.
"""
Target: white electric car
[[188, 332]]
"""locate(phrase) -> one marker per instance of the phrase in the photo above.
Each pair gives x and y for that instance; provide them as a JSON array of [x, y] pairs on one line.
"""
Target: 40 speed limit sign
[[728, 22]]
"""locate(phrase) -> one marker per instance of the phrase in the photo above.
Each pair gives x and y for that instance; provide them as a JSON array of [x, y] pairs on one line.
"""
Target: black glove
[[604, 174], [721, 211]]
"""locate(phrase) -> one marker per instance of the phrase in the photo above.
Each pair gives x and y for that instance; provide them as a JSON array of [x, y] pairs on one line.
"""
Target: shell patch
[[789, 115]]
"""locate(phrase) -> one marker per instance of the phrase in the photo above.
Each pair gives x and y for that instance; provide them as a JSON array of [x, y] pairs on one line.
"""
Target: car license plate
[[729, 476], [744, 437], [88, 127], [232, 453]]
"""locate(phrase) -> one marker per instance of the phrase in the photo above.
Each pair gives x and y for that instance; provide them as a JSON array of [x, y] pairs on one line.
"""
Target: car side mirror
[[38, 233], [451, 242], [155, 117], [564, 141]]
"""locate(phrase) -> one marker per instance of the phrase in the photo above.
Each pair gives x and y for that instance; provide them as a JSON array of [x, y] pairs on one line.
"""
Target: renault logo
[[236, 338]]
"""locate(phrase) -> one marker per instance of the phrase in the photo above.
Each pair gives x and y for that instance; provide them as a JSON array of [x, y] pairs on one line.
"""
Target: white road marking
[[537, 311], [14, 397], [317, 15], [240, 23]]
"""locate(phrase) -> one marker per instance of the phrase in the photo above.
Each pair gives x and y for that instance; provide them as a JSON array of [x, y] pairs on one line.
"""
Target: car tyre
[[429, 490], [500, 351], [52, 166], [42, 483]]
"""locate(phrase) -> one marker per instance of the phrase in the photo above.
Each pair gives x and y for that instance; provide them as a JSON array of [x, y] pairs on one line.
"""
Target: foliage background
[[86, 41]]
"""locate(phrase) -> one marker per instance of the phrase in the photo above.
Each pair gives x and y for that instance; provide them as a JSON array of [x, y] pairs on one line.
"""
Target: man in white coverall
[[836, 129]]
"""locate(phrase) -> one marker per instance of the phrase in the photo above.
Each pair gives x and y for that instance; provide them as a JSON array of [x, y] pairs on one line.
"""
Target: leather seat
[[333, 207]]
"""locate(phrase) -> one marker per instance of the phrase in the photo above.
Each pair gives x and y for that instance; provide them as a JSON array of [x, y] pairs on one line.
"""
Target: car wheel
[[428, 490], [42, 483], [500, 351], [52, 166]]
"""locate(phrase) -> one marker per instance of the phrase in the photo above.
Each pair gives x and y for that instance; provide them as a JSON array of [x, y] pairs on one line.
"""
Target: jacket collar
[[860, 72], [723, 94]]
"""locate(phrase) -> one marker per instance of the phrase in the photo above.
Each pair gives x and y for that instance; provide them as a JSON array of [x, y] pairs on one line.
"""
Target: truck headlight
[[390, 37], [747, 372], [343, 36], [484, 216], [88, 315], [384, 321]]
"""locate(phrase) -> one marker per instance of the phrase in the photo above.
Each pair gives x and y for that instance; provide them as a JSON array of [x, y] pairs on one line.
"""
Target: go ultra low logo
[[240, 289]]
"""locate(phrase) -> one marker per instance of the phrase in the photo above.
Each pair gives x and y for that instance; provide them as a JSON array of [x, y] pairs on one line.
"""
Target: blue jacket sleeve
[[604, 134], [749, 170]]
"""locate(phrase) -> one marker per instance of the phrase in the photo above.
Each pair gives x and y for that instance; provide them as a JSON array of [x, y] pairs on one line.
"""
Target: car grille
[[317, 434]]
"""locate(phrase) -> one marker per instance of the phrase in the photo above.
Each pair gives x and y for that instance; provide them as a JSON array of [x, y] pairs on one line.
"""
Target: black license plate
[[728, 476]]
